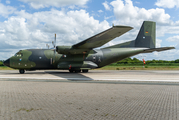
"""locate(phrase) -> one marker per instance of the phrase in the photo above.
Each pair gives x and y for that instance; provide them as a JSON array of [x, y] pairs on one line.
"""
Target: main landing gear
[[85, 71], [21, 71], [78, 71]]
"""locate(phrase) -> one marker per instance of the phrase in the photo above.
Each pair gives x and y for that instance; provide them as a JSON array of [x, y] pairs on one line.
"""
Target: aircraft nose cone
[[7, 63]]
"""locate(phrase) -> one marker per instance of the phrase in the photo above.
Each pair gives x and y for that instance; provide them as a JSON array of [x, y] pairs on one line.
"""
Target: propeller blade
[[54, 44]]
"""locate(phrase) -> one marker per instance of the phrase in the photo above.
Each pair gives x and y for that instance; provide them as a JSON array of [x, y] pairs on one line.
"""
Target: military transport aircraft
[[82, 56]]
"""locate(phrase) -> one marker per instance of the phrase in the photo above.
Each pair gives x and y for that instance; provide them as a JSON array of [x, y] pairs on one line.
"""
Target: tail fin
[[147, 35]]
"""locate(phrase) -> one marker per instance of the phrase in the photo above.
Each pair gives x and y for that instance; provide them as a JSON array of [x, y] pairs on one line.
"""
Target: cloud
[[108, 17], [56, 3], [167, 3], [23, 6], [127, 13], [100, 11], [173, 38], [106, 6], [8, 2], [158, 43], [27, 31], [6, 10], [137, 2]]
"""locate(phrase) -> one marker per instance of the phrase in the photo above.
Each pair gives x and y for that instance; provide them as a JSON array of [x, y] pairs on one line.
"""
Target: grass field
[[124, 68], [5, 68], [140, 68]]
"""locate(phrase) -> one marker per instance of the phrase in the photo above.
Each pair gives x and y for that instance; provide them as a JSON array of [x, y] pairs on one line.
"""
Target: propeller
[[54, 44]]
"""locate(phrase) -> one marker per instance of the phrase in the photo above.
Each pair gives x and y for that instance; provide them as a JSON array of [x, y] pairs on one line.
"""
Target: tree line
[[1, 62], [135, 61]]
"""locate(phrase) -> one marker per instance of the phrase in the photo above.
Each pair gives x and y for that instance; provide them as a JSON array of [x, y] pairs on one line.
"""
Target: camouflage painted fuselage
[[38, 59]]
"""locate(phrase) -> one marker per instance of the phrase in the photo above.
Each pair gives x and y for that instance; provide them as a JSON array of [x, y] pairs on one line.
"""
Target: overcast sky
[[27, 24]]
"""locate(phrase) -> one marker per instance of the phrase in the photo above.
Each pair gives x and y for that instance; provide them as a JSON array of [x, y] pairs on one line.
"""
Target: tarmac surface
[[98, 95]]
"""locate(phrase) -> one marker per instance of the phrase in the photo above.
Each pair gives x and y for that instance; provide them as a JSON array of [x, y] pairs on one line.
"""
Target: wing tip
[[121, 26]]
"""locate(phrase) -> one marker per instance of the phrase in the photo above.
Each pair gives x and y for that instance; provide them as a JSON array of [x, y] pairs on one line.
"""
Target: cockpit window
[[18, 54]]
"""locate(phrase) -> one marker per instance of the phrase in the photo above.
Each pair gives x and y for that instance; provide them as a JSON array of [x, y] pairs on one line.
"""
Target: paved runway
[[112, 75], [52, 95]]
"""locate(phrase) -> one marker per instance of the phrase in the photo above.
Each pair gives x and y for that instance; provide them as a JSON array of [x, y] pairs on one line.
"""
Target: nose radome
[[7, 63]]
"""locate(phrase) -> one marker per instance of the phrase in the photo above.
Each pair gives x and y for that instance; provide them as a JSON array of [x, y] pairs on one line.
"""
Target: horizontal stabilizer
[[157, 49]]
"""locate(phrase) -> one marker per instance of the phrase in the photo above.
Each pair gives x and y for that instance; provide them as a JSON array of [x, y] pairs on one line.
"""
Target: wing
[[102, 38]]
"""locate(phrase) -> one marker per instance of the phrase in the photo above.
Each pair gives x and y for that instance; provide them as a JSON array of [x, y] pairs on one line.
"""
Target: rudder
[[147, 35]]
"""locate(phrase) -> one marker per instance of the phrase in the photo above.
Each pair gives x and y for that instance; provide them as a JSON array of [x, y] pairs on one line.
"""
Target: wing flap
[[102, 38]]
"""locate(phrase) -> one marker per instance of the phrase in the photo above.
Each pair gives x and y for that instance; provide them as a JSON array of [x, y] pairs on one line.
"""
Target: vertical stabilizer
[[147, 35]]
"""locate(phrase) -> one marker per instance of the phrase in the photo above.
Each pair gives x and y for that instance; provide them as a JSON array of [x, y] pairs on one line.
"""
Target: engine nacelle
[[70, 50]]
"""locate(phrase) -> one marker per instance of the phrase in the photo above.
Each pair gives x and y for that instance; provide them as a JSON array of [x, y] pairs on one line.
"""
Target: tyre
[[71, 71], [21, 71], [85, 71]]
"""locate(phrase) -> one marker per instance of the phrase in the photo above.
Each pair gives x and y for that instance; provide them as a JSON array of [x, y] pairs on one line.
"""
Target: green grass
[[5, 68], [140, 68]]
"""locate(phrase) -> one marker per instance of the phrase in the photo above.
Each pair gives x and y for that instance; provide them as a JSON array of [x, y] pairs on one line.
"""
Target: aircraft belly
[[75, 65]]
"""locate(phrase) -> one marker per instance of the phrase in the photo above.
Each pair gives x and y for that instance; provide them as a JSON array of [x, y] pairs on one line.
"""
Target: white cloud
[[8, 2], [106, 6], [173, 38], [167, 3], [56, 3], [137, 2], [100, 11], [26, 30], [127, 13], [23, 6], [6, 10], [158, 43], [108, 17]]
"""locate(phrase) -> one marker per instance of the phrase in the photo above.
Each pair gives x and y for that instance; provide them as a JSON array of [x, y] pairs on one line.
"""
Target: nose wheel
[[21, 71]]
